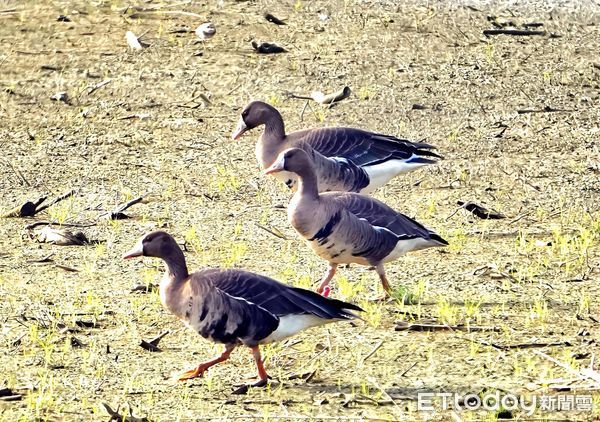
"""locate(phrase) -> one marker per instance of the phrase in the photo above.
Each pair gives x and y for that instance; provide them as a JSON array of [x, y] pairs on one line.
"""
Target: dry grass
[[534, 275]]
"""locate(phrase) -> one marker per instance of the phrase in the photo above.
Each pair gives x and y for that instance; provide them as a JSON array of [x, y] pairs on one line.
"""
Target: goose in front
[[344, 227], [235, 307], [378, 157]]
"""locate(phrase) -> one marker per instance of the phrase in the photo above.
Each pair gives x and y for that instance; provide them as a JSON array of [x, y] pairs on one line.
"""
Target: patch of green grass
[[410, 295], [373, 313], [348, 290], [538, 313], [453, 135], [319, 113], [364, 93], [224, 180], [62, 211], [192, 239], [234, 253], [446, 312], [274, 99], [489, 52], [457, 239]]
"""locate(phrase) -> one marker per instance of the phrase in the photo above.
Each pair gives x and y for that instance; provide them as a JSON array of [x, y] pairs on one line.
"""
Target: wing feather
[[364, 148], [278, 298]]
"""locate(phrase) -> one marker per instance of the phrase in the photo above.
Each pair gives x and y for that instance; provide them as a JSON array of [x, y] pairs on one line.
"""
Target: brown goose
[[344, 227], [381, 157], [235, 307]]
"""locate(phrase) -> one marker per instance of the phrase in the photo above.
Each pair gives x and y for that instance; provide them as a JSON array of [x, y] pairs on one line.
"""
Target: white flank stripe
[[381, 173], [293, 324], [404, 246]]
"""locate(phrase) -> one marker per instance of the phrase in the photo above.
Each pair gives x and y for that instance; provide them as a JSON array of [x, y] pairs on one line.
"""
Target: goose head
[[156, 244], [255, 114], [293, 160]]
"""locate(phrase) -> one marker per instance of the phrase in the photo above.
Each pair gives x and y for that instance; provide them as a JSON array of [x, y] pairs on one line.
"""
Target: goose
[[382, 157], [235, 307], [347, 227]]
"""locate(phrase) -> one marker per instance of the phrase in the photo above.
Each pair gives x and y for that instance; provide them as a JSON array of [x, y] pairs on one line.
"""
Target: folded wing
[[278, 298], [366, 148], [382, 216]]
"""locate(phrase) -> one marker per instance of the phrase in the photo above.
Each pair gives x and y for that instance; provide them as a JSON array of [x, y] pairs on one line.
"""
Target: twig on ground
[[65, 268], [47, 258], [533, 24], [373, 351], [493, 271], [376, 384], [403, 326], [586, 373], [546, 109], [306, 376], [522, 345], [93, 88], [54, 223], [514, 32], [521, 216], [488, 234], [51, 67], [141, 116], [303, 110], [19, 174], [173, 12], [274, 233], [408, 369]]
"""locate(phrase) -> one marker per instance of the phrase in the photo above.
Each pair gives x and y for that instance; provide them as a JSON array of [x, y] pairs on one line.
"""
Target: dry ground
[[533, 275]]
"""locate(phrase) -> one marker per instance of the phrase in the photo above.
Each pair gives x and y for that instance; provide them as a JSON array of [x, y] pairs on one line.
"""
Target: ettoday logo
[[429, 402]]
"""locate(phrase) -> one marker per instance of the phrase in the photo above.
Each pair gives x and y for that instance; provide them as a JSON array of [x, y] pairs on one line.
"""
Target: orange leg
[[384, 280], [197, 372], [262, 374], [323, 288]]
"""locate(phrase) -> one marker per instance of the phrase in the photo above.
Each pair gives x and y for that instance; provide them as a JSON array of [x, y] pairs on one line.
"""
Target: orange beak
[[137, 250], [239, 130], [277, 166]]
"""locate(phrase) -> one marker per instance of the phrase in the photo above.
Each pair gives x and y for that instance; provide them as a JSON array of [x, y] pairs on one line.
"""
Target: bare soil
[[515, 117]]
